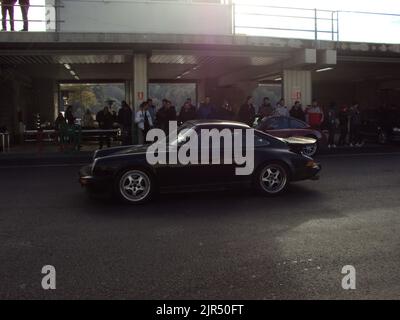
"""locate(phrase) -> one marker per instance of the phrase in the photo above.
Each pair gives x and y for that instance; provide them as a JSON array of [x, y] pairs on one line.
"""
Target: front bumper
[[92, 183], [307, 173]]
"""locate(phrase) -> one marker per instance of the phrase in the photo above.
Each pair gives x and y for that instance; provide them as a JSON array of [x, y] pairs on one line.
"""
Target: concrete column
[[297, 85], [139, 87], [140, 79]]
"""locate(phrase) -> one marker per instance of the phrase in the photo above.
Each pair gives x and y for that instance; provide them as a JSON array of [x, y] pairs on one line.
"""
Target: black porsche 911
[[126, 173]]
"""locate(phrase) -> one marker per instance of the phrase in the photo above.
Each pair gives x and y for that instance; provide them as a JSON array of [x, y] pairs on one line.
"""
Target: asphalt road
[[213, 245]]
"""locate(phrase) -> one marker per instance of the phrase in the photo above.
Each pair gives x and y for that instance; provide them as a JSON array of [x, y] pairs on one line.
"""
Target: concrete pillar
[[139, 87], [297, 85]]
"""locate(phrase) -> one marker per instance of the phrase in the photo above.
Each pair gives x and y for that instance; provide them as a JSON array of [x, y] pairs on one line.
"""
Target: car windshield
[[182, 136]]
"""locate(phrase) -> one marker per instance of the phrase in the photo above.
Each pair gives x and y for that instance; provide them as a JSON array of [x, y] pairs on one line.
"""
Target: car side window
[[260, 140], [296, 124]]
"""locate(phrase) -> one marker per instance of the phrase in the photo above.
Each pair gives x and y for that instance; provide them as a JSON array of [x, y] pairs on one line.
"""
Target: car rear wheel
[[272, 179], [134, 186]]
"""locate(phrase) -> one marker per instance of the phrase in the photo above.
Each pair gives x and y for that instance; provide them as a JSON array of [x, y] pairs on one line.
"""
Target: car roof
[[222, 123]]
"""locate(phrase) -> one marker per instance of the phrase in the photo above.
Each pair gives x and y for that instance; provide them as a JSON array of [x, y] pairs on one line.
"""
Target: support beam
[[303, 59], [140, 84]]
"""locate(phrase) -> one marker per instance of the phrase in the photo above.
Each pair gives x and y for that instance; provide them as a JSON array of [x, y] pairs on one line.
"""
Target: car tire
[[311, 149], [134, 186], [271, 179]]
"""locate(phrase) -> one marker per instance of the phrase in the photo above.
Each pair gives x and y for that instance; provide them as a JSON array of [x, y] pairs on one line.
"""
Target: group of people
[[106, 118], [7, 6], [347, 120], [148, 116]]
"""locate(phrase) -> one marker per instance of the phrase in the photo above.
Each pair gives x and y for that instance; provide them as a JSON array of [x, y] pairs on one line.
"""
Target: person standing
[[188, 112], [124, 119], [223, 112], [297, 111], [331, 119], [69, 116], [281, 109], [247, 112], [205, 109], [7, 6], [24, 5], [355, 124], [343, 117], [143, 121], [315, 115], [152, 109], [166, 114], [88, 121], [266, 109], [105, 119]]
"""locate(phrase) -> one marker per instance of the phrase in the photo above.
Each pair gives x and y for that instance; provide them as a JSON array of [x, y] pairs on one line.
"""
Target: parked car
[[381, 127], [285, 127], [126, 173]]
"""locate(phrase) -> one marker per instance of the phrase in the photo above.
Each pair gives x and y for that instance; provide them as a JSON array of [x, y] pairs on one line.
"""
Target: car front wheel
[[272, 179], [134, 186]]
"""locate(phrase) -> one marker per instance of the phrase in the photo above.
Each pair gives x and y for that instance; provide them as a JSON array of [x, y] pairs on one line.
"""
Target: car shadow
[[217, 202]]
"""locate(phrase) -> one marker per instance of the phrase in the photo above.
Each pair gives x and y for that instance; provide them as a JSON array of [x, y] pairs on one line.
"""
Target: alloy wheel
[[273, 178], [135, 185]]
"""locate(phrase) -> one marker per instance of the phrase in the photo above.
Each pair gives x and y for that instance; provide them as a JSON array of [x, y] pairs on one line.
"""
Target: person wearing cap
[[7, 6]]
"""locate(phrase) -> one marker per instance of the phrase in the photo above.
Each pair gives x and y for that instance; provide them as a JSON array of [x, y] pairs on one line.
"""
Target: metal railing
[[288, 17], [252, 19], [316, 24]]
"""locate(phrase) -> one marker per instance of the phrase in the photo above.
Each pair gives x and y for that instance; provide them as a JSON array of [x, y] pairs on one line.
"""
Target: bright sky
[[352, 26]]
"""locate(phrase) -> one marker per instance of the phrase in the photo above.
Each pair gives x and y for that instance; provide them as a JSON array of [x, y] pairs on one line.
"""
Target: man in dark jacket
[[188, 112], [124, 119], [343, 117], [297, 111], [355, 124], [166, 114], [105, 119], [7, 6], [205, 109], [223, 112], [330, 123], [266, 109], [247, 112]]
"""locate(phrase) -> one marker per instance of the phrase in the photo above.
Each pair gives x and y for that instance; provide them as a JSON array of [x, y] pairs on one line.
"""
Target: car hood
[[120, 151]]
